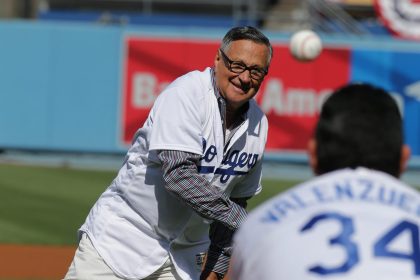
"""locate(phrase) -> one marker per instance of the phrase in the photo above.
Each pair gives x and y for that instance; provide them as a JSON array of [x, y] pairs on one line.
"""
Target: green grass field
[[42, 205]]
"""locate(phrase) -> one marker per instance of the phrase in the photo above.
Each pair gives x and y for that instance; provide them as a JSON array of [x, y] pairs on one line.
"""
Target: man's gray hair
[[246, 33]]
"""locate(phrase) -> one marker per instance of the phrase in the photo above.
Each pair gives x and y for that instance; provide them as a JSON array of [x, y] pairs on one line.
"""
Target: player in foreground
[[356, 220], [187, 175]]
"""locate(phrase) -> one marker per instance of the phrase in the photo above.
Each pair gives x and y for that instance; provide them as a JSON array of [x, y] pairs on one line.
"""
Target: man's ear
[[313, 159], [216, 58], [405, 156]]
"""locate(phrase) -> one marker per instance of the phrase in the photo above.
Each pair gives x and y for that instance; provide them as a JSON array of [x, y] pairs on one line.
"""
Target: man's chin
[[236, 104]]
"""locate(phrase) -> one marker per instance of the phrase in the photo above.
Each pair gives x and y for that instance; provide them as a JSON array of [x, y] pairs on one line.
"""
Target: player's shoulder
[[193, 81], [354, 179], [362, 173], [347, 178], [192, 88]]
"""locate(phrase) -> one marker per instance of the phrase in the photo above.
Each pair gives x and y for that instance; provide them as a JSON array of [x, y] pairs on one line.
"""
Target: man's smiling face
[[238, 88]]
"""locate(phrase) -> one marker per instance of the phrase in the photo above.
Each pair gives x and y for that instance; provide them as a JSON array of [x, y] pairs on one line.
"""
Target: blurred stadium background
[[77, 78]]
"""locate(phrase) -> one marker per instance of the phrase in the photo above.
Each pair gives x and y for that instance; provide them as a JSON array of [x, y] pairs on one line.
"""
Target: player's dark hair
[[246, 33], [359, 125]]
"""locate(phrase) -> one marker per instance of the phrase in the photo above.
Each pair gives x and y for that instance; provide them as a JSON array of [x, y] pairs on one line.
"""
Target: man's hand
[[216, 260], [209, 275]]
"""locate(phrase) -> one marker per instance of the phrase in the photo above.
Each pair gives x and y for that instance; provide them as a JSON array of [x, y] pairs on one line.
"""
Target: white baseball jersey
[[136, 225], [349, 225]]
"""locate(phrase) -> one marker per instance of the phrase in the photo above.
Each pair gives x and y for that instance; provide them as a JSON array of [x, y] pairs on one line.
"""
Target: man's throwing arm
[[183, 180]]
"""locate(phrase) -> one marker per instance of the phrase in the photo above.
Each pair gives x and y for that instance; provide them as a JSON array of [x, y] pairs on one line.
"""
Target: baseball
[[305, 45]]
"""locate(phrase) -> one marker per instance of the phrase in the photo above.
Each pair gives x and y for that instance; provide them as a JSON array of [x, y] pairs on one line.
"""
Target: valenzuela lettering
[[232, 159], [361, 191]]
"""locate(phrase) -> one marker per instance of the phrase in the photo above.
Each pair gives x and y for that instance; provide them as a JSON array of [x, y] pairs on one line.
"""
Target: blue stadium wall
[[60, 83]]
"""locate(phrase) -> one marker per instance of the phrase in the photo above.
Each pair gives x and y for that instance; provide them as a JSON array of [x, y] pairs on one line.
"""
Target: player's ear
[[405, 156], [216, 58], [313, 159]]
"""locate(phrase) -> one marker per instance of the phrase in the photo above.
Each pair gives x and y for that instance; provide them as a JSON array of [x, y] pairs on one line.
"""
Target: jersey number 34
[[380, 247]]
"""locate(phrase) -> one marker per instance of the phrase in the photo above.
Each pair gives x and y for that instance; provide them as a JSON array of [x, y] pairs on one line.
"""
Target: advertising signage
[[290, 96]]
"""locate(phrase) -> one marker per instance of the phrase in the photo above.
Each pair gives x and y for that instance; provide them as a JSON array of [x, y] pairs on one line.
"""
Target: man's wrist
[[219, 275], [206, 273], [218, 260]]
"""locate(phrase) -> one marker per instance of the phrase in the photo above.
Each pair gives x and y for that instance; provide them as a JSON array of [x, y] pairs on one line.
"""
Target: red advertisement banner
[[290, 96]]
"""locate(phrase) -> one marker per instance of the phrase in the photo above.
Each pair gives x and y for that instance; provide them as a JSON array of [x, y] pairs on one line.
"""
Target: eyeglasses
[[240, 67]]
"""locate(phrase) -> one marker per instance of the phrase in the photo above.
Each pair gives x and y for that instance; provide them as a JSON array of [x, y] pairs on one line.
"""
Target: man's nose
[[245, 76]]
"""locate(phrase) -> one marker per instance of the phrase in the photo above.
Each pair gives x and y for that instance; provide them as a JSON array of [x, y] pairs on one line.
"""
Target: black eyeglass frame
[[242, 67]]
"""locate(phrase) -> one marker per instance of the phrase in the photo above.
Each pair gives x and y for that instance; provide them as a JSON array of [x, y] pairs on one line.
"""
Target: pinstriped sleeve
[[183, 180]]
